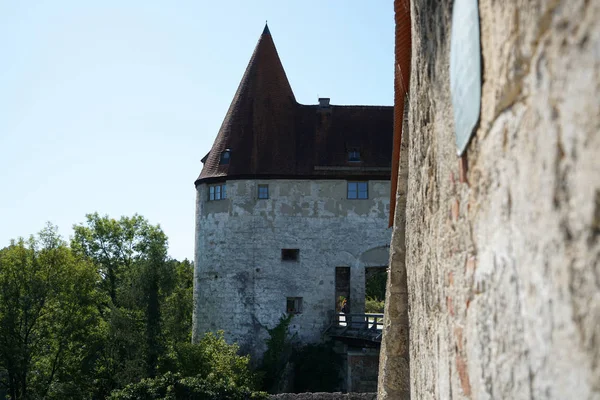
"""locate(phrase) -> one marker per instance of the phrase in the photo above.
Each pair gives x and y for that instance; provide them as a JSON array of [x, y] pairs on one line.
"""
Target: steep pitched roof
[[270, 135], [258, 118]]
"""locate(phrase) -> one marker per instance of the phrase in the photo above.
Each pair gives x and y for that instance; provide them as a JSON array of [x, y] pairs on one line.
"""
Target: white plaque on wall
[[465, 70]]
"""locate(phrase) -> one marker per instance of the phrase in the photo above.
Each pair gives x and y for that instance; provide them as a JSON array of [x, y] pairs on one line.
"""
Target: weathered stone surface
[[324, 396], [363, 367], [519, 316], [394, 371], [241, 283]]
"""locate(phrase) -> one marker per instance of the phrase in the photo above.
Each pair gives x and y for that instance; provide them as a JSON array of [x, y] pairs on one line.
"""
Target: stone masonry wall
[[394, 368], [363, 368], [241, 283], [503, 257]]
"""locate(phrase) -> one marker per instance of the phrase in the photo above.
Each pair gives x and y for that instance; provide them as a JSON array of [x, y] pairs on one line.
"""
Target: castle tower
[[291, 208]]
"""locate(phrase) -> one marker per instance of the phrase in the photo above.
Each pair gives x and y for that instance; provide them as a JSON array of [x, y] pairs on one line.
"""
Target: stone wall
[[503, 249], [363, 367], [241, 283], [394, 365]]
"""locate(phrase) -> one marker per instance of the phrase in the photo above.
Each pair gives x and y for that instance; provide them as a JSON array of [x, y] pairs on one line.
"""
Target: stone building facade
[[291, 209], [499, 251]]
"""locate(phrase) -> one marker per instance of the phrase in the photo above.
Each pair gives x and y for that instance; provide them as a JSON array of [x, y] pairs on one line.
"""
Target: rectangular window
[[217, 192], [263, 191], [294, 305], [354, 155], [290, 254], [358, 190], [225, 157]]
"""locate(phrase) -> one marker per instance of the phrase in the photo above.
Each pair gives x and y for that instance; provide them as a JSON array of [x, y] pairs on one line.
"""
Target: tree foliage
[[212, 357], [178, 302], [288, 367], [209, 369], [130, 254], [374, 306], [375, 286], [108, 313], [173, 387], [279, 350], [48, 318]]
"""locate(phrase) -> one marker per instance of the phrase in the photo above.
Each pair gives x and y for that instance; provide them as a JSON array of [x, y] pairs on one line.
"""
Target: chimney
[[324, 102]]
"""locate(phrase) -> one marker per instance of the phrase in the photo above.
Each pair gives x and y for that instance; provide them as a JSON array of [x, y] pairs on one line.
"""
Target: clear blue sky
[[109, 106]]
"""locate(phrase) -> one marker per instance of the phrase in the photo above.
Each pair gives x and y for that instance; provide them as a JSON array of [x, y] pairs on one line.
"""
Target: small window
[[358, 190], [290, 254], [263, 191], [217, 192], [354, 155], [225, 156], [294, 305]]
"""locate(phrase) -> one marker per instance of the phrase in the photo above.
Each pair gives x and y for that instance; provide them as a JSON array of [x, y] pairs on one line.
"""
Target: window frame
[[262, 186], [217, 192], [297, 305], [225, 157], [357, 190], [356, 153]]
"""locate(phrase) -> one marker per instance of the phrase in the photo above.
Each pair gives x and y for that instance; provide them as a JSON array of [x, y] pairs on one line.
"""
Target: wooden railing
[[358, 321]]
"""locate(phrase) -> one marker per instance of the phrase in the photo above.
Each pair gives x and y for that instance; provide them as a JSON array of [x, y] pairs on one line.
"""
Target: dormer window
[[354, 155], [225, 156]]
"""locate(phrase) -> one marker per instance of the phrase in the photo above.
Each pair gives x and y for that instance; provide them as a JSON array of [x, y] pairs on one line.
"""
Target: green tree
[[113, 246], [48, 316], [214, 359], [131, 256], [112, 311], [375, 286], [179, 303], [209, 369], [173, 387]]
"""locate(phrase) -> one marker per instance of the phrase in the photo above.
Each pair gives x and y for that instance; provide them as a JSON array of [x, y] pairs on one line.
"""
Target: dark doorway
[[342, 287]]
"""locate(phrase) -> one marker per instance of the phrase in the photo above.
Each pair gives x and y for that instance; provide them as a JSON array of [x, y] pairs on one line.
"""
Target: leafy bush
[[214, 359], [374, 306], [279, 350], [311, 368], [173, 387]]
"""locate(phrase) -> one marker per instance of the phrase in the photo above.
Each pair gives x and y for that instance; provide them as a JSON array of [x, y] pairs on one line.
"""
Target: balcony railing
[[358, 321]]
